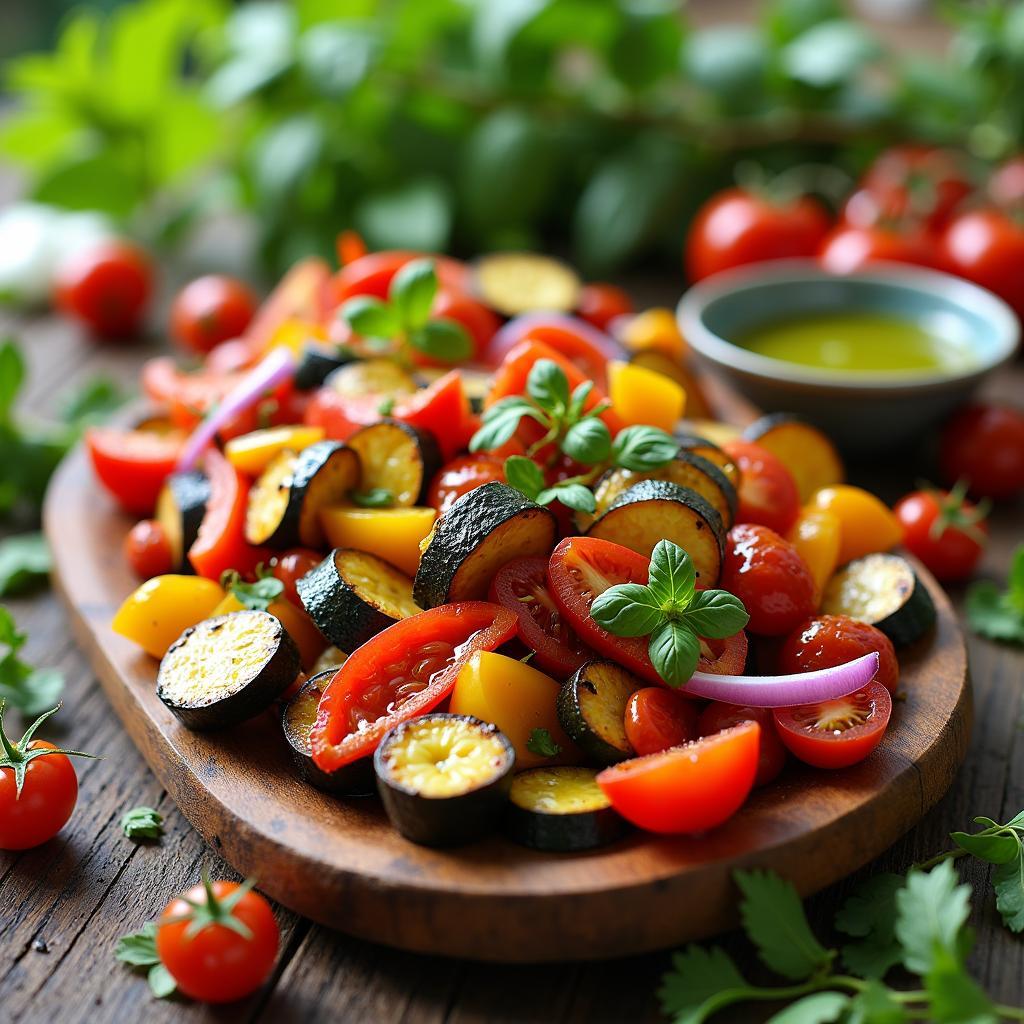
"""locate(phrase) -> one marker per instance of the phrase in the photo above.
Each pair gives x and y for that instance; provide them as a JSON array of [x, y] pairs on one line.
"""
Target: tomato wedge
[[686, 789], [522, 587], [133, 464], [404, 671], [443, 409], [836, 733]]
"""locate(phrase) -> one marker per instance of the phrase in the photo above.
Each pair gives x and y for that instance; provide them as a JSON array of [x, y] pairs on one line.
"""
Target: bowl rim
[[718, 350]]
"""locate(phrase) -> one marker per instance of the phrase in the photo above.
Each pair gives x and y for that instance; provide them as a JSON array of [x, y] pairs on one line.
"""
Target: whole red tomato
[[601, 303], [987, 247], [736, 227], [210, 310], [984, 445], [47, 799], [290, 567], [768, 575], [658, 718], [768, 494], [850, 248], [106, 287], [217, 963], [829, 640], [148, 550], [944, 531]]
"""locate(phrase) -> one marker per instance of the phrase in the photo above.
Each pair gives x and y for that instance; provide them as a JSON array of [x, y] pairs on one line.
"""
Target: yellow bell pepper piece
[[515, 697], [642, 396], [299, 626], [865, 523], [393, 534], [156, 614], [252, 453], [815, 535], [655, 330], [293, 335]]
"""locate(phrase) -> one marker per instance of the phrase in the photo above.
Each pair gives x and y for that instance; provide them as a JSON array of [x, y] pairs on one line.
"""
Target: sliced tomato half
[[132, 465], [404, 671], [686, 789]]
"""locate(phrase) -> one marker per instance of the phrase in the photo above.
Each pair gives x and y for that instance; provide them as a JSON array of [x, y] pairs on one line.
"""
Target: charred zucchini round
[[382, 377], [482, 531], [443, 778], [592, 710], [513, 283], [353, 595], [285, 502], [397, 458], [884, 591], [803, 449], [180, 508], [561, 809], [653, 510], [317, 363], [227, 669], [713, 453]]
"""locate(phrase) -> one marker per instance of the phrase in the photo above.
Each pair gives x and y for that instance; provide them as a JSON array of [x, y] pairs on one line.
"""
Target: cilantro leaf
[[874, 1004], [548, 386], [774, 920], [716, 614], [371, 318], [931, 909], [444, 339], [588, 441], [142, 823], [139, 948], [641, 448], [996, 614], [31, 690], [412, 292], [627, 609], [996, 844], [256, 596], [953, 996], [1008, 882], [24, 561], [375, 497], [674, 650], [672, 576], [161, 982], [541, 744], [524, 475], [572, 495], [701, 982], [817, 1008], [869, 913]]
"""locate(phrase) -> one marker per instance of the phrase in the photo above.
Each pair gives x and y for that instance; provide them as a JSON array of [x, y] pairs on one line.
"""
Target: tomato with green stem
[[218, 940], [944, 530], [658, 718], [771, 758]]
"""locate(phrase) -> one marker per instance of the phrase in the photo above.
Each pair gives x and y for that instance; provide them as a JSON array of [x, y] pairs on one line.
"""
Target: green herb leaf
[[501, 421], [524, 475], [643, 448], [12, 376], [412, 292], [256, 596], [998, 846], [930, 911], [701, 982], [24, 562], [139, 948], [160, 981], [774, 921], [674, 651], [817, 1008], [577, 399], [375, 497], [628, 609], [371, 318], [715, 614], [874, 1004], [142, 823], [93, 402], [672, 576], [387, 406], [1008, 882], [953, 996], [446, 340], [575, 496], [31, 691], [541, 744], [548, 386], [870, 914], [588, 441]]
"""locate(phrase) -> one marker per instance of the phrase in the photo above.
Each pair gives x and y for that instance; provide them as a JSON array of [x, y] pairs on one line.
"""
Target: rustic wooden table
[[64, 905]]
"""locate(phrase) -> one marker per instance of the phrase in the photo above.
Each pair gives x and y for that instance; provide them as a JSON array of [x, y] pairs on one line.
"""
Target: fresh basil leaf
[[444, 339], [996, 848], [548, 386], [412, 292], [672, 576], [674, 650], [541, 744], [817, 1008], [829, 54], [931, 910], [524, 475], [715, 614], [577, 400], [139, 948], [371, 318], [869, 914], [628, 609], [375, 497], [588, 441], [24, 562], [93, 402], [701, 982], [1008, 882], [415, 214], [643, 448], [142, 823], [575, 496], [500, 422], [161, 982], [12, 376]]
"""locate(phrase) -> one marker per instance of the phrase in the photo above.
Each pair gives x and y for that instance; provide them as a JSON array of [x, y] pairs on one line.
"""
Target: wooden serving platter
[[339, 862]]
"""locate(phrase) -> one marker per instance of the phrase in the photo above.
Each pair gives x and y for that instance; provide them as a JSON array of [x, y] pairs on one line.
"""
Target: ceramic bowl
[[862, 411]]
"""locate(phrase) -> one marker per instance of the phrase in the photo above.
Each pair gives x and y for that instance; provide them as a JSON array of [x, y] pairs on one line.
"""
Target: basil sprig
[[671, 611]]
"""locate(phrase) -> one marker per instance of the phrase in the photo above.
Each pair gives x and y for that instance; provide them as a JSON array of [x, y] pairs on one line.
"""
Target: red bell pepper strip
[[443, 409]]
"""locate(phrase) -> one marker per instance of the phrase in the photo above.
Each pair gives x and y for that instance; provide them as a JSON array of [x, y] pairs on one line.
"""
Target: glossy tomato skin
[[772, 755], [106, 287], [47, 799], [658, 718], [769, 577], [686, 789], [601, 303], [768, 494], [210, 310], [521, 586], [828, 640], [949, 552], [217, 964], [372, 274], [987, 247], [443, 410], [984, 445], [291, 566], [736, 227], [132, 465], [147, 549], [850, 248], [836, 733], [462, 475]]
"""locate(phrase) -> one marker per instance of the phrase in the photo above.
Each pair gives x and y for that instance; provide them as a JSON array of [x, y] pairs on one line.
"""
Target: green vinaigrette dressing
[[859, 342]]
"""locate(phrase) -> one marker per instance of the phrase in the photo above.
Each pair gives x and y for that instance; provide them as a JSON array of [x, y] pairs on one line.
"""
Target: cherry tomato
[[768, 494], [987, 247], [769, 577], [148, 550], [218, 963], [371, 274], [658, 718], [836, 733], [850, 248], [47, 799], [984, 445], [686, 789], [341, 416], [865, 524], [947, 533], [736, 227], [522, 587], [106, 287], [290, 567], [772, 754], [829, 640], [602, 303], [462, 475], [210, 310], [132, 465], [480, 321]]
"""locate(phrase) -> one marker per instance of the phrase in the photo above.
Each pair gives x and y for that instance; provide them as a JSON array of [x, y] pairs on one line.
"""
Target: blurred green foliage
[[592, 125]]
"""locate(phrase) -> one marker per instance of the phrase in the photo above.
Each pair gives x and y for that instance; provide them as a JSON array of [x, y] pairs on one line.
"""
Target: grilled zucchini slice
[[382, 377], [655, 510], [332, 658], [592, 710], [708, 450], [561, 809], [804, 450], [353, 595], [180, 508], [444, 779], [285, 502], [397, 458], [227, 669], [884, 591], [525, 282], [483, 530], [317, 363]]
